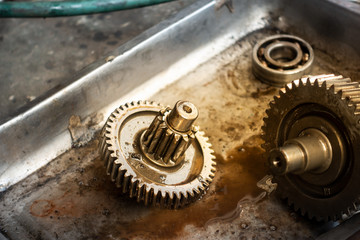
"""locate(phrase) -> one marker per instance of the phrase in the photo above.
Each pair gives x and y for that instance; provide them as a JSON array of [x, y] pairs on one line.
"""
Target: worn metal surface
[[42, 56], [129, 143], [309, 110], [41, 132], [72, 197], [279, 59]]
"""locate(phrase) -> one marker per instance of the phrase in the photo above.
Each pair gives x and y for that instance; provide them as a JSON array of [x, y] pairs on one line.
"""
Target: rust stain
[[68, 205], [90, 194], [237, 176], [42, 208]]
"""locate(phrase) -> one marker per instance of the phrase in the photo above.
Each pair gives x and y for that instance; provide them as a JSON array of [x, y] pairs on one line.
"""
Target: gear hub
[[156, 154], [312, 134]]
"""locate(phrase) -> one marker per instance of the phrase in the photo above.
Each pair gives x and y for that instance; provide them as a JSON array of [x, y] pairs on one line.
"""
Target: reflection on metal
[[156, 154], [312, 135], [311, 151], [42, 138], [170, 134], [279, 59]]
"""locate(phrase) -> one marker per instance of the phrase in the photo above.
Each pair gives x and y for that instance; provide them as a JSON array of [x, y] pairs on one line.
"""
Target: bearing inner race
[[283, 54]]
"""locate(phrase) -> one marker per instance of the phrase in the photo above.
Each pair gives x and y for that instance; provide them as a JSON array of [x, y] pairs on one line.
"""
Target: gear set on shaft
[[156, 154], [312, 134], [166, 144]]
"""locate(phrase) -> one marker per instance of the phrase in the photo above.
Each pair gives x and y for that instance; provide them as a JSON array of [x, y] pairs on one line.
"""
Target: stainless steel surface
[[34, 132], [52, 51], [311, 132], [280, 59], [310, 152], [72, 197], [132, 142]]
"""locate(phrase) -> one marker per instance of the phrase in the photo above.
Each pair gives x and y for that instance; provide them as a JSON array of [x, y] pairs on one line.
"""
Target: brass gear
[[330, 105], [122, 149]]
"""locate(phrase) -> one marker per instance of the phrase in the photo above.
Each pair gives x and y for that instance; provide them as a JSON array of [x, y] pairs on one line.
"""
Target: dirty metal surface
[[72, 198], [40, 56]]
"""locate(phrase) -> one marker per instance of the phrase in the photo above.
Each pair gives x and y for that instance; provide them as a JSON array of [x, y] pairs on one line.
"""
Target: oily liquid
[[92, 197], [236, 178]]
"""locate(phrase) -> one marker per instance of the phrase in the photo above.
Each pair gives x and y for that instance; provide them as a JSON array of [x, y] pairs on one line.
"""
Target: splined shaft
[[170, 134]]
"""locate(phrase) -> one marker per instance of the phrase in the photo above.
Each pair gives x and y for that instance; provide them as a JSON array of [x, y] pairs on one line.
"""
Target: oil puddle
[[86, 195], [229, 217], [236, 179]]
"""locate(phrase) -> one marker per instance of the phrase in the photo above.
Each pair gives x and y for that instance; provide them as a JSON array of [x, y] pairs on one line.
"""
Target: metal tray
[[202, 55]]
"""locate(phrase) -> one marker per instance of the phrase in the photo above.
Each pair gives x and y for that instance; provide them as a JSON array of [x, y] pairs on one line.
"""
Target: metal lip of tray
[[164, 54], [136, 70]]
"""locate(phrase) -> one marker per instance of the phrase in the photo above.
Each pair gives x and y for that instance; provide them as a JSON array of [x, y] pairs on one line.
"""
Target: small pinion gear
[[321, 182], [156, 155]]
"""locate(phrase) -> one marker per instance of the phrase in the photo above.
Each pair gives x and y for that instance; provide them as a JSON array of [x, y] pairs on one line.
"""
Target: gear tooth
[[149, 196], [276, 99], [355, 206], [266, 119], [348, 211], [176, 202], [316, 83], [126, 182], [140, 192], [183, 199], [110, 164], [287, 88], [301, 82], [167, 201], [197, 191], [133, 187], [323, 85], [309, 82], [331, 88], [295, 84], [114, 171], [271, 104], [119, 178]]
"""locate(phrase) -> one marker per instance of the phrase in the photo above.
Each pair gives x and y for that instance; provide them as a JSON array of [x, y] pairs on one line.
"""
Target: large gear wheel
[[156, 155], [312, 138]]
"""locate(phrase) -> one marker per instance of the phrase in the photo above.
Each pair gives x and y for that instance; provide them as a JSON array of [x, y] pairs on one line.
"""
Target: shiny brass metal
[[310, 152], [151, 160], [170, 134], [312, 138]]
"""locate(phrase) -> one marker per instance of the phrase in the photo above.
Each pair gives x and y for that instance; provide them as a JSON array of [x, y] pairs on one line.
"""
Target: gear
[[312, 134], [156, 154]]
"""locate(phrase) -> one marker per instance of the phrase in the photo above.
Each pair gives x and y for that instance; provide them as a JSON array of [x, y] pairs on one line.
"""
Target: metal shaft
[[311, 151], [170, 134], [182, 116]]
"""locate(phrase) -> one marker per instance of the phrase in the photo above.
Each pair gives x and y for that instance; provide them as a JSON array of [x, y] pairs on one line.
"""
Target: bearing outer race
[[275, 77]]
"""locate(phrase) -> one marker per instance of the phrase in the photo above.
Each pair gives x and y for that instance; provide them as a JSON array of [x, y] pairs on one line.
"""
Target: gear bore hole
[[277, 162], [187, 109]]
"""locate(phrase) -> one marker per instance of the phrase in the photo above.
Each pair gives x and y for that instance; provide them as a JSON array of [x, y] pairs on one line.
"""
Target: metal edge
[[139, 68]]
